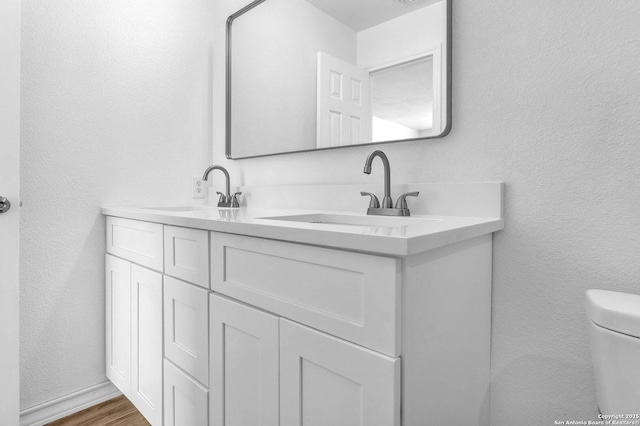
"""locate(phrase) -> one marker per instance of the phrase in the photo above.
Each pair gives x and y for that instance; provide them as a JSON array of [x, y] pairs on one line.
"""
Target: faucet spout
[[205, 177], [387, 202]]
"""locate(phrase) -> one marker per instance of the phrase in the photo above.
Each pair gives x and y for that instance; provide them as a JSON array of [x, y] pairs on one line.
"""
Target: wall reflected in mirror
[[315, 74], [402, 101]]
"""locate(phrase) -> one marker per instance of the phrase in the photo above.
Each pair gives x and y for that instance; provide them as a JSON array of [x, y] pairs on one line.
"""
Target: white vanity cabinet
[[134, 317], [361, 337], [245, 330]]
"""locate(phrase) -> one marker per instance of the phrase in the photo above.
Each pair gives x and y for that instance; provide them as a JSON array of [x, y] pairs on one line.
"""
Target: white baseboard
[[58, 408]]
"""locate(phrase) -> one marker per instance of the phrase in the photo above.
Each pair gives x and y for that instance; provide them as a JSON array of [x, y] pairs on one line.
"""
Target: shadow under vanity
[[220, 316]]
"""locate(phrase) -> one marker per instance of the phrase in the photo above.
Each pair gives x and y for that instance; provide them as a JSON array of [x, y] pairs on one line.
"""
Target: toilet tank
[[614, 333]]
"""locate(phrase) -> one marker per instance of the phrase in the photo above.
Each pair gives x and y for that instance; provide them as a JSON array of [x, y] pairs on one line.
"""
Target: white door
[[244, 365], [146, 343], [329, 381], [343, 103], [10, 220]]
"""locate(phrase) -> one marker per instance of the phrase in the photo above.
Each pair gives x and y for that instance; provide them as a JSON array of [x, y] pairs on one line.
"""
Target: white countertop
[[412, 235]]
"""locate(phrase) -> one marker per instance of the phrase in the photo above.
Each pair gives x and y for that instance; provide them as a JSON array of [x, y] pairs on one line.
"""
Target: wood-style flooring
[[114, 412]]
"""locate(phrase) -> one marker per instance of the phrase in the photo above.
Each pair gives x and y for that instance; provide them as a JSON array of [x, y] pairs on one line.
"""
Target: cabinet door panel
[[244, 365], [186, 331], [185, 400], [146, 335], [118, 322], [328, 381]]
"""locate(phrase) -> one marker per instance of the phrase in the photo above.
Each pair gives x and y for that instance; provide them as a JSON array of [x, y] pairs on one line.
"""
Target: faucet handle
[[374, 203], [234, 199], [402, 200], [223, 198]]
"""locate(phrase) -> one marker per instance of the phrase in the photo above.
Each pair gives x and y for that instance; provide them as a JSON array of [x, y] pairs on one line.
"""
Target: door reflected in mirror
[[318, 74]]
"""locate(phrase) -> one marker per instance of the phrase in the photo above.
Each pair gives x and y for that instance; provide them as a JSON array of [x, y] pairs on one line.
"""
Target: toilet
[[614, 333]]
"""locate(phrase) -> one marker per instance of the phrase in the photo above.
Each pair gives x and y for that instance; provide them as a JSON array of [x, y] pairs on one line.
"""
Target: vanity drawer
[[186, 254], [350, 295], [137, 241]]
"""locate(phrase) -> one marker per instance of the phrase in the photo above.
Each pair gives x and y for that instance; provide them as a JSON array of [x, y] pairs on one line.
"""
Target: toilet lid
[[613, 310]]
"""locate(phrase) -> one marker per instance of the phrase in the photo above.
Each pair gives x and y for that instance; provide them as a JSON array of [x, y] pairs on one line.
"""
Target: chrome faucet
[[387, 209], [387, 203], [226, 199]]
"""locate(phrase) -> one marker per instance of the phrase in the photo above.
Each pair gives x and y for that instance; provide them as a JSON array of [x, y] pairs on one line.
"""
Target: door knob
[[5, 205]]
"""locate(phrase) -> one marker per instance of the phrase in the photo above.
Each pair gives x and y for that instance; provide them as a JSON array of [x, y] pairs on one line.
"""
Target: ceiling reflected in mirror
[[362, 14]]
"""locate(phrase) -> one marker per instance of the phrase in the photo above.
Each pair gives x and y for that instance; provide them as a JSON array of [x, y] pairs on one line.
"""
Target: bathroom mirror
[[304, 75]]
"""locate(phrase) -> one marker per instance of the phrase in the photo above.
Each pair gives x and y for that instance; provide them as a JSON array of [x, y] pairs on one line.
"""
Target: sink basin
[[351, 220], [179, 208]]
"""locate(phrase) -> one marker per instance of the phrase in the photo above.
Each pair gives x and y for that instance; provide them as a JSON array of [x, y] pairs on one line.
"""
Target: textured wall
[[546, 98], [116, 109]]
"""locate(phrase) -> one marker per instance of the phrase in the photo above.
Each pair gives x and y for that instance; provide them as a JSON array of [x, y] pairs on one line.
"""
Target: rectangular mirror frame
[[447, 92]]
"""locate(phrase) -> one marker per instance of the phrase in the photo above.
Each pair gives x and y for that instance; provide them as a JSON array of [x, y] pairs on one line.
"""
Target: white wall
[[545, 98], [116, 109], [404, 36]]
